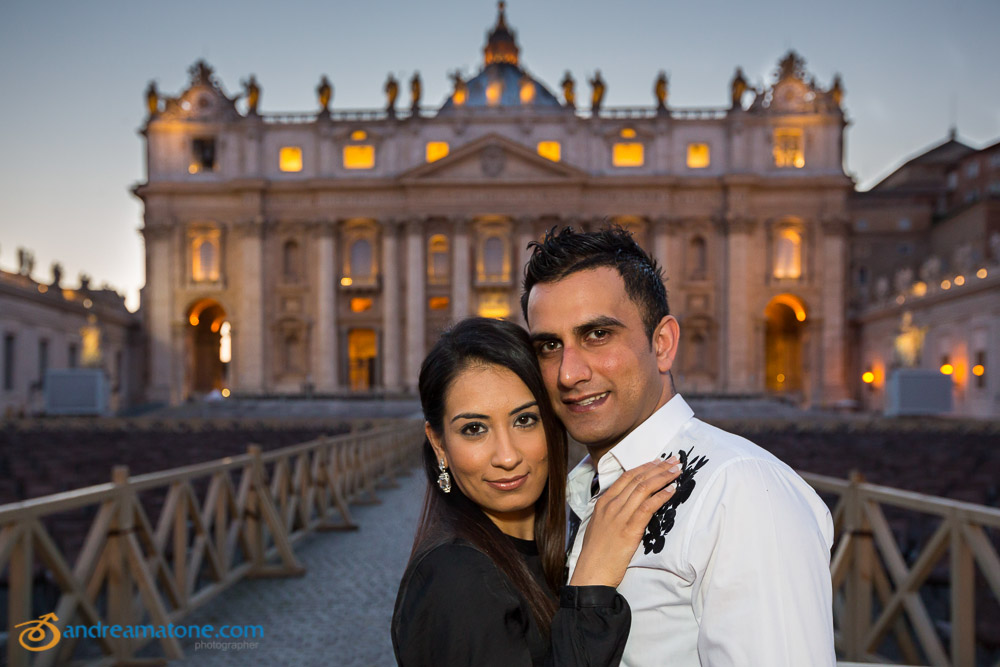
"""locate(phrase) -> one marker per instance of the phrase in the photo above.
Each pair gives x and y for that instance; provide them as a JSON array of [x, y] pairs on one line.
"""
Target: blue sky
[[73, 75]]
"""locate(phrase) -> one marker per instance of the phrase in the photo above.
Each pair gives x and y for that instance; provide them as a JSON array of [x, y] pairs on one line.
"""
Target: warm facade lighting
[[360, 304], [979, 370], [494, 306], [493, 93], [458, 97], [43, 289], [947, 369], [290, 158], [919, 288], [438, 303], [900, 299], [225, 346], [698, 156], [225, 392], [193, 319], [627, 133], [90, 354], [868, 377], [630, 154], [527, 92], [959, 280], [945, 284], [788, 150], [794, 303], [359, 157], [550, 149], [981, 273], [359, 135], [788, 255], [346, 281], [781, 378], [436, 150]]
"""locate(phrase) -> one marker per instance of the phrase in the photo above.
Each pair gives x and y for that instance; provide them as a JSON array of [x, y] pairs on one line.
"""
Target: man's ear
[[436, 443], [666, 337]]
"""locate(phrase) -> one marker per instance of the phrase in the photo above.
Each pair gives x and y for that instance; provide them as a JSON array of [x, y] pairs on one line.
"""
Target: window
[[788, 148], [90, 336], [290, 158], [494, 304], [630, 154], [361, 304], [72, 355], [972, 169], [8, 362], [904, 224], [862, 275], [861, 225], [527, 91], [698, 256], [226, 342], [438, 303], [361, 259], [202, 155], [361, 156], [493, 259], [494, 91], [438, 261], [204, 255], [436, 150], [551, 150], [293, 353], [788, 255], [995, 160], [698, 156], [627, 133], [290, 261], [43, 361]]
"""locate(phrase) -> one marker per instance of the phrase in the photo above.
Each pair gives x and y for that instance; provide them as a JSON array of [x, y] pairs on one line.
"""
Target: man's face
[[602, 375]]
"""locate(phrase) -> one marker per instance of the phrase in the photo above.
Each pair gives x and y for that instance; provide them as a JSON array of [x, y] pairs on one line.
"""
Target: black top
[[455, 608]]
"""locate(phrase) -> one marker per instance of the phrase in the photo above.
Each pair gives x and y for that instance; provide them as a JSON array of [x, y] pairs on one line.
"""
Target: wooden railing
[[878, 590], [253, 509]]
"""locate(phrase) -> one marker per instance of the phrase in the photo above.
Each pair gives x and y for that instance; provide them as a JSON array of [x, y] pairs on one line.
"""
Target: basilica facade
[[322, 252]]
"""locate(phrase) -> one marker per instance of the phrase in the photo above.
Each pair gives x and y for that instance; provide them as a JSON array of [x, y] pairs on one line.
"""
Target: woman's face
[[494, 445]]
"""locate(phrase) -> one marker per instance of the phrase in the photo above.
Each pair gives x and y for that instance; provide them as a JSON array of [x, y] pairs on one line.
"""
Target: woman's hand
[[619, 521]]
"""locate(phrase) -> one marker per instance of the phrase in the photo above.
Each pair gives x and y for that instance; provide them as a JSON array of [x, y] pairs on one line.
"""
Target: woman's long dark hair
[[475, 341]]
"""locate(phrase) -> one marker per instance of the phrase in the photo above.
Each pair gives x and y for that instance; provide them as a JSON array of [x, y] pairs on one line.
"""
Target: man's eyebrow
[[469, 415], [602, 322], [523, 407]]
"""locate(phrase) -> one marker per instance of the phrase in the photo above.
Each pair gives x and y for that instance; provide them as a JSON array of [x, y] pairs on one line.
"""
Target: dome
[[501, 82]]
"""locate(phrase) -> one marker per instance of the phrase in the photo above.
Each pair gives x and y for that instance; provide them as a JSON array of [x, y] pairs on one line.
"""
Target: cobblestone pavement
[[338, 614]]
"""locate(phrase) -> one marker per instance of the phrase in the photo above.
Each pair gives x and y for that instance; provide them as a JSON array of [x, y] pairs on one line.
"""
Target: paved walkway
[[338, 614]]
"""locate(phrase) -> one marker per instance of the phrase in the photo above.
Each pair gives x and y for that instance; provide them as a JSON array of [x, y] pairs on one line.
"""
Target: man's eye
[[598, 334], [473, 428], [548, 347]]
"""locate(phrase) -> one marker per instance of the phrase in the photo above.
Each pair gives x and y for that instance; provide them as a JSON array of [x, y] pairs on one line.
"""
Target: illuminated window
[[202, 155], [698, 156], [290, 158], [436, 150], [359, 157], [627, 133], [361, 356], [226, 342], [550, 149], [360, 304], [788, 255], [495, 305], [90, 337], [437, 262], [527, 92], [438, 303], [359, 135], [788, 148], [493, 93], [629, 154], [205, 255], [290, 261]]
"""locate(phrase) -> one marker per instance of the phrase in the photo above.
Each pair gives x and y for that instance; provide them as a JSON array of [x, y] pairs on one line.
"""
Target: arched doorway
[[209, 348], [785, 317], [361, 353]]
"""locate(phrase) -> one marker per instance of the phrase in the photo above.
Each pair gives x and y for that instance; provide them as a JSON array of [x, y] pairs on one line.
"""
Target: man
[[735, 568]]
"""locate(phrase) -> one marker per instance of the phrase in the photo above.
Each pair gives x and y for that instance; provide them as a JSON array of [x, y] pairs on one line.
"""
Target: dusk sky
[[72, 76]]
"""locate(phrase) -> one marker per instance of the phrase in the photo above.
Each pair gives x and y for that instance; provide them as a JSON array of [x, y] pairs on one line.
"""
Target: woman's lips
[[587, 403], [508, 484]]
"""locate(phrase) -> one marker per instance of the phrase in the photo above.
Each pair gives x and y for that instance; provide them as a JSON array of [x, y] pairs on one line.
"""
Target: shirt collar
[[648, 439]]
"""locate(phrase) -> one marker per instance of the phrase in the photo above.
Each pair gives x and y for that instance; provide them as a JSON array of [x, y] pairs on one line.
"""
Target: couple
[[687, 545]]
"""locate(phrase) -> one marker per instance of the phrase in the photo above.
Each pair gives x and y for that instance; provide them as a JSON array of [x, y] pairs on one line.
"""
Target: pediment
[[492, 158]]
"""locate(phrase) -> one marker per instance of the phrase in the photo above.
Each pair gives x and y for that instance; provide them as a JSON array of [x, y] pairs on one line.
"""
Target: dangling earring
[[444, 479]]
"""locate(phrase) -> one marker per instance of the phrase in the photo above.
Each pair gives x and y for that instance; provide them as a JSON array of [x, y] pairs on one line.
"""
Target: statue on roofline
[[461, 90], [597, 92], [57, 272], [391, 93], [837, 90], [416, 88], [738, 87], [152, 99], [325, 93], [660, 90], [568, 88], [252, 91]]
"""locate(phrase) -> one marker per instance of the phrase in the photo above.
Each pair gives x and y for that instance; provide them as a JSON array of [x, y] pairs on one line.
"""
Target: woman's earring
[[444, 479]]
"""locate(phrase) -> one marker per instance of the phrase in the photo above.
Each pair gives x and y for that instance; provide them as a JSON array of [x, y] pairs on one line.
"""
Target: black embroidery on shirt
[[662, 522], [572, 530]]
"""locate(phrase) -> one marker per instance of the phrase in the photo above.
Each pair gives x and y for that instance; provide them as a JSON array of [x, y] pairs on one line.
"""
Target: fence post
[[19, 594], [858, 607], [120, 590], [963, 598]]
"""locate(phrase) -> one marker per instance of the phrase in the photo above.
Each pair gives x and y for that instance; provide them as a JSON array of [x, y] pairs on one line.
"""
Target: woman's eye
[[526, 419], [473, 428]]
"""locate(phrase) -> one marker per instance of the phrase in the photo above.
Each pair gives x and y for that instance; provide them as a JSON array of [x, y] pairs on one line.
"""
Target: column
[[326, 352], [739, 347], [416, 301], [524, 233], [461, 277], [834, 332], [391, 346], [157, 303], [249, 356]]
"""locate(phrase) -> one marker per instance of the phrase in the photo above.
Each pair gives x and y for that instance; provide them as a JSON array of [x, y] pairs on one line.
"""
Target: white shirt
[[742, 577]]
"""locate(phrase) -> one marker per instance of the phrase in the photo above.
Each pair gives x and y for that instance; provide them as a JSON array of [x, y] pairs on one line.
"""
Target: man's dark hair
[[565, 251]]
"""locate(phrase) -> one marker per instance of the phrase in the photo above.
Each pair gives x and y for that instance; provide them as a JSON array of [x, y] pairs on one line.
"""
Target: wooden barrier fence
[[878, 590], [254, 508]]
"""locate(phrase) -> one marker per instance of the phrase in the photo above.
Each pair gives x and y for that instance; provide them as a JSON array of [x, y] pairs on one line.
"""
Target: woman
[[484, 582]]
